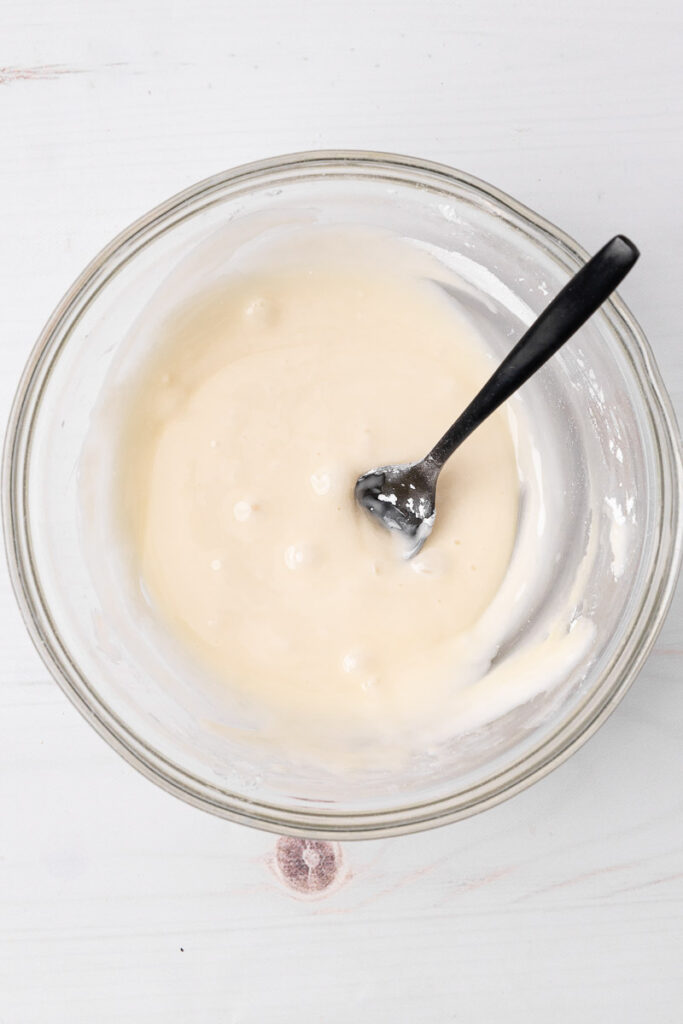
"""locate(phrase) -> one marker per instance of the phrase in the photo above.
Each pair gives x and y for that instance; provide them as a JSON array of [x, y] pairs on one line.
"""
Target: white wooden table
[[118, 903]]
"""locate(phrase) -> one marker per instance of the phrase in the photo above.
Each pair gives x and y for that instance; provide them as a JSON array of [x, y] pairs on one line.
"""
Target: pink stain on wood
[[310, 867], [40, 72]]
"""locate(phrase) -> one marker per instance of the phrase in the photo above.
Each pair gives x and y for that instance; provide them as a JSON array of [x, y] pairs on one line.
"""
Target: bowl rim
[[590, 714]]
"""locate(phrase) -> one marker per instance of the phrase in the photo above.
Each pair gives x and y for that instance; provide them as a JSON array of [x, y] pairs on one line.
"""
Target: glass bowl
[[605, 427]]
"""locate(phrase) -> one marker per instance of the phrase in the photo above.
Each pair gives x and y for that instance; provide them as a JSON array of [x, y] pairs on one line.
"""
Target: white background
[[566, 903]]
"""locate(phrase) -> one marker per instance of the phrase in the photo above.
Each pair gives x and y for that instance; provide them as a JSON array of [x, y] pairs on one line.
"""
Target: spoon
[[403, 498]]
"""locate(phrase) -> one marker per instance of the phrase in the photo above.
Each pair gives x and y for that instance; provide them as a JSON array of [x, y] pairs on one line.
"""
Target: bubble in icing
[[242, 511], [321, 482], [259, 312], [353, 661], [299, 556]]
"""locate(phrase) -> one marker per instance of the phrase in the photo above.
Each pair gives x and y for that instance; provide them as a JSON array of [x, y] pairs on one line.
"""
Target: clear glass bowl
[[607, 429]]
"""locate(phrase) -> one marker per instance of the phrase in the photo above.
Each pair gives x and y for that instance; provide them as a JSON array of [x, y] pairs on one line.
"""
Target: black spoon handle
[[577, 301]]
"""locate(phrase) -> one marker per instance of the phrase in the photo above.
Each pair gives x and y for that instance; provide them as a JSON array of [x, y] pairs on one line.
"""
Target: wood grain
[[118, 902]]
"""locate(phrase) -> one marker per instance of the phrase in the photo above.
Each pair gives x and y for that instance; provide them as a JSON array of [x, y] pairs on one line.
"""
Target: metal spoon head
[[402, 499]]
